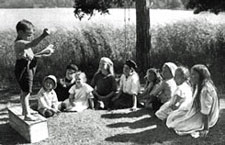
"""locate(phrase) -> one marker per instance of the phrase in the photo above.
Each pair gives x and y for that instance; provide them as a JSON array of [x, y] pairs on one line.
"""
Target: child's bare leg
[[25, 99], [134, 98], [22, 103], [26, 103]]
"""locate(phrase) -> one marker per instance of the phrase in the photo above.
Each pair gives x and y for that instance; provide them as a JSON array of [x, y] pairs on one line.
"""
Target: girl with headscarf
[[165, 91], [182, 98], [204, 111], [104, 84]]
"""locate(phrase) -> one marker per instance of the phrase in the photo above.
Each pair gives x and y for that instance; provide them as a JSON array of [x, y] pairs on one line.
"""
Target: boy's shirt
[[130, 85], [49, 99], [81, 96]]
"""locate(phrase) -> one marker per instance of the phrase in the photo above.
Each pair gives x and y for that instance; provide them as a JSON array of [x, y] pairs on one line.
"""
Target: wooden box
[[32, 131]]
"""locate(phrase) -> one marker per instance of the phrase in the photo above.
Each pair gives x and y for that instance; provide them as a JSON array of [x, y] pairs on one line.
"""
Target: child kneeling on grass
[[80, 97], [182, 98], [47, 98]]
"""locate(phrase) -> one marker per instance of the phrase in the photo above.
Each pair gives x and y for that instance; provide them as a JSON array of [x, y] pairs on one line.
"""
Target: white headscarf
[[172, 66], [110, 63]]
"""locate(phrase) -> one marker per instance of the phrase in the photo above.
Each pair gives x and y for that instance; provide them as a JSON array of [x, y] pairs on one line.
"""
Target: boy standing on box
[[26, 62]]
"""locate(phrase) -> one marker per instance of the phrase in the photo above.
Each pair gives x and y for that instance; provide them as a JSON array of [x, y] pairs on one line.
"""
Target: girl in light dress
[[182, 98], [80, 97], [47, 99], [204, 111]]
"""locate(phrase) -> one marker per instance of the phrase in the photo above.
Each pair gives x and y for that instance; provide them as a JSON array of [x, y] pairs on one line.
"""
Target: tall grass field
[[178, 36]]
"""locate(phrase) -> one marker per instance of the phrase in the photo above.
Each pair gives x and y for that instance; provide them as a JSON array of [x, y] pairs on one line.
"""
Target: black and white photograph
[[112, 72]]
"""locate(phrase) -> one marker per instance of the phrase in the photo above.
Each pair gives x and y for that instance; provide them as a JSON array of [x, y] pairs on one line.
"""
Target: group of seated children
[[100, 95], [188, 103]]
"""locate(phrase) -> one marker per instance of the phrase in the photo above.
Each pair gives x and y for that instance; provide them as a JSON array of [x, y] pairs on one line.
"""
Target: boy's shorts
[[24, 73]]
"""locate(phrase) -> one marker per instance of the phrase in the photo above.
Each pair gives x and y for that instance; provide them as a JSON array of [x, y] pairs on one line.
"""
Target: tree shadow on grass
[[8, 136], [145, 122], [152, 130], [131, 114]]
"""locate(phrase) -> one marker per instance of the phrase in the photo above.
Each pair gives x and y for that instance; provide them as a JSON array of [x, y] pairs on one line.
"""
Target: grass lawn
[[118, 127]]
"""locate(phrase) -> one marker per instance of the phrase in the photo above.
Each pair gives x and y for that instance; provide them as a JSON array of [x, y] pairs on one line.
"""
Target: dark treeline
[[163, 4]]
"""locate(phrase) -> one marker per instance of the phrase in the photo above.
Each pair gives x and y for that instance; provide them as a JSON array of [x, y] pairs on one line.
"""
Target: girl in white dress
[[182, 98], [204, 111], [80, 97]]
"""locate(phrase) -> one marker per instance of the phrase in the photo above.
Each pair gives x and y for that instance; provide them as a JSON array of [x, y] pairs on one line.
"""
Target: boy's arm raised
[[37, 40]]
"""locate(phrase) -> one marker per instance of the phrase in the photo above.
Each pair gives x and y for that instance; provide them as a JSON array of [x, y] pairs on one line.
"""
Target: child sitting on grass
[[182, 98], [153, 80], [47, 98], [165, 91], [129, 88], [80, 97], [26, 62], [104, 84], [64, 84]]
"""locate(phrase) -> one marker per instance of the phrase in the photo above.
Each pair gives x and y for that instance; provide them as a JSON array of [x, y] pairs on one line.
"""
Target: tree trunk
[[143, 39]]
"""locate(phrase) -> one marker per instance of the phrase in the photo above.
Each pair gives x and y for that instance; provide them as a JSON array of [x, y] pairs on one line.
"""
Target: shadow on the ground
[[133, 125], [131, 114], [153, 131], [8, 136]]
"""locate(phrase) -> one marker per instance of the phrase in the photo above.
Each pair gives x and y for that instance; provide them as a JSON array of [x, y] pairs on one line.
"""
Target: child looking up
[[80, 97], [26, 62], [47, 99]]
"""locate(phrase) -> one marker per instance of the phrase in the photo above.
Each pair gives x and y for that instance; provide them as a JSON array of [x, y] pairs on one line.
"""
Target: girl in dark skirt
[[129, 88], [26, 62]]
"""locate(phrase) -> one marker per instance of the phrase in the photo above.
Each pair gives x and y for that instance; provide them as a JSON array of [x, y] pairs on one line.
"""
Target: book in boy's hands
[[46, 52]]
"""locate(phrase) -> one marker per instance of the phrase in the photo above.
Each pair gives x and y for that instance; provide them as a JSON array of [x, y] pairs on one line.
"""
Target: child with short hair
[[153, 80], [129, 87], [182, 98], [104, 84], [80, 97], [26, 61], [165, 91], [64, 84], [47, 98]]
